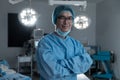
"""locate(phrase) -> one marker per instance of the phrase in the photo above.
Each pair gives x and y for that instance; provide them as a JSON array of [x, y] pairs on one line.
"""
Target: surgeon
[[59, 56]]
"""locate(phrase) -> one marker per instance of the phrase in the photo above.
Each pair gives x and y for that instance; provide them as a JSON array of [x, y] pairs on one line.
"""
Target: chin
[[65, 30]]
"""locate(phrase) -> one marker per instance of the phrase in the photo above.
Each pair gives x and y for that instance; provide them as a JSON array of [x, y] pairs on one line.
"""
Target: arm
[[80, 63], [49, 61]]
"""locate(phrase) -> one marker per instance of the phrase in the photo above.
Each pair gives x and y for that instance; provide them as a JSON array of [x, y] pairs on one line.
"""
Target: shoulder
[[75, 41], [46, 39]]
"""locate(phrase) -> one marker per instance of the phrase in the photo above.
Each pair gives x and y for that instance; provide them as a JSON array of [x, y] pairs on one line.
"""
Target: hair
[[58, 10]]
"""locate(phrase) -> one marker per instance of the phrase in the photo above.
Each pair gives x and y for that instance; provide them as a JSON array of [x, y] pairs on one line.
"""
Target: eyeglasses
[[70, 18]]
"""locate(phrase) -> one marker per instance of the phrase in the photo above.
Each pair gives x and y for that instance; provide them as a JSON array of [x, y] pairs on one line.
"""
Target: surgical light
[[68, 2], [28, 17], [81, 22]]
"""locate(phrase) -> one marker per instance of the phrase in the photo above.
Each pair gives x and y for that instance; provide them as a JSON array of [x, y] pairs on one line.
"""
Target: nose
[[66, 21]]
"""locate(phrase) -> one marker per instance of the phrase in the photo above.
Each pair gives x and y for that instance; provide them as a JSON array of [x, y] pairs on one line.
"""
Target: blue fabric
[[15, 76], [61, 59], [4, 62], [58, 10], [61, 33]]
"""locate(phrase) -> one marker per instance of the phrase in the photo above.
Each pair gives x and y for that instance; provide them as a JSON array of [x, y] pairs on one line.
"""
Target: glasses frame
[[63, 18]]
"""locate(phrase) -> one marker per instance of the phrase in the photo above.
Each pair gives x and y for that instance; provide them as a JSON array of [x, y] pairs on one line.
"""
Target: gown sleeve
[[49, 61], [80, 63]]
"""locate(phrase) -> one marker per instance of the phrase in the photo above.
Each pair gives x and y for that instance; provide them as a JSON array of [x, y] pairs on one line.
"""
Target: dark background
[[17, 33]]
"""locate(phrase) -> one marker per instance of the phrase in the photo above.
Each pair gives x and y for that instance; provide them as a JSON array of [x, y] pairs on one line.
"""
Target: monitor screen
[[36, 43], [38, 33]]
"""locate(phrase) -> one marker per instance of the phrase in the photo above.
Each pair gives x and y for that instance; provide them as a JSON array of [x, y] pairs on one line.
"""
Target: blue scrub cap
[[58, 10]]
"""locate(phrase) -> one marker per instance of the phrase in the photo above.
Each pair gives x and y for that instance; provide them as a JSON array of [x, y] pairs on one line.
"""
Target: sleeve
[[80, 63], [49, 61]]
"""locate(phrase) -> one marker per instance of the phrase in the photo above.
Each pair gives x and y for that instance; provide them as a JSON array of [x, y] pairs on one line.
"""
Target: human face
[[64, 21]]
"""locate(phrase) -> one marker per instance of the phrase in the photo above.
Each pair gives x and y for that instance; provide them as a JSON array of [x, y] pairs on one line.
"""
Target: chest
[[64, 50]]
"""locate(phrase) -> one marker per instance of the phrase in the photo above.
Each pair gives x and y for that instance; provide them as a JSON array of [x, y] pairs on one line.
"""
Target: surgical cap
[[60, 9]]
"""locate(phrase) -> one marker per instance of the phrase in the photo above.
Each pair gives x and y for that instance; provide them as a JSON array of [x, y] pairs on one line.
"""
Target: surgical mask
[[61, 33]]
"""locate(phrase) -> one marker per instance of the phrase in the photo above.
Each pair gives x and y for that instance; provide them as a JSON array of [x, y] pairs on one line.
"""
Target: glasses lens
[[65, 18]]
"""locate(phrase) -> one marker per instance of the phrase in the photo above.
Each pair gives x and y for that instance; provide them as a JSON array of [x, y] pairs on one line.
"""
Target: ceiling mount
[[68, 2], [15, 1]]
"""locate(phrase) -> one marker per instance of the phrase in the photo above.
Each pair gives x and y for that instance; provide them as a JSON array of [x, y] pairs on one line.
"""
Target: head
[[62, 18]]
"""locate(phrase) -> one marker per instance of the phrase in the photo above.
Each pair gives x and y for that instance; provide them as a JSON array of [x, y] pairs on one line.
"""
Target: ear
[[55, 27]]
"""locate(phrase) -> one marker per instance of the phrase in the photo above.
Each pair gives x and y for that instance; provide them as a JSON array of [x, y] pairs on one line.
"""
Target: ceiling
[[89, 1], [94, 1]]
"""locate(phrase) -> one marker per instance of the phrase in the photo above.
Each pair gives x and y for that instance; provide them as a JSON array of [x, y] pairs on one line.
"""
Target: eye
[[70, 18], [65, 18], [61, 17]]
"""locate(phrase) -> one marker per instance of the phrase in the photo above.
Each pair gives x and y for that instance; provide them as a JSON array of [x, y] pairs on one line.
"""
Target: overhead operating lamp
[[28, 16], [82, 21], [67, 2], [14, 1]]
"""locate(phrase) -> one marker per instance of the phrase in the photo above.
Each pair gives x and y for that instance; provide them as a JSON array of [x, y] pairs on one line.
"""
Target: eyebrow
[[63, 16]]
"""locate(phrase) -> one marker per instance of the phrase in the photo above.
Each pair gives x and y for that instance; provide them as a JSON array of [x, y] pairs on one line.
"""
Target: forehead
[[66, 13]]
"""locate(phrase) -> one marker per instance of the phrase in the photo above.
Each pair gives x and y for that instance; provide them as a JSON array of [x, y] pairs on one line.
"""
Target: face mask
[[61, 33]]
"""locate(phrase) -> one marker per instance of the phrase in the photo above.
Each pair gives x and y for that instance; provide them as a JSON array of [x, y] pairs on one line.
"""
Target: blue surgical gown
[[61, 59]]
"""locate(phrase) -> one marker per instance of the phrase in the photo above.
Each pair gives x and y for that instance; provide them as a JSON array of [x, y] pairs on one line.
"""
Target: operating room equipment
[[105, 58], [9, 74]]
